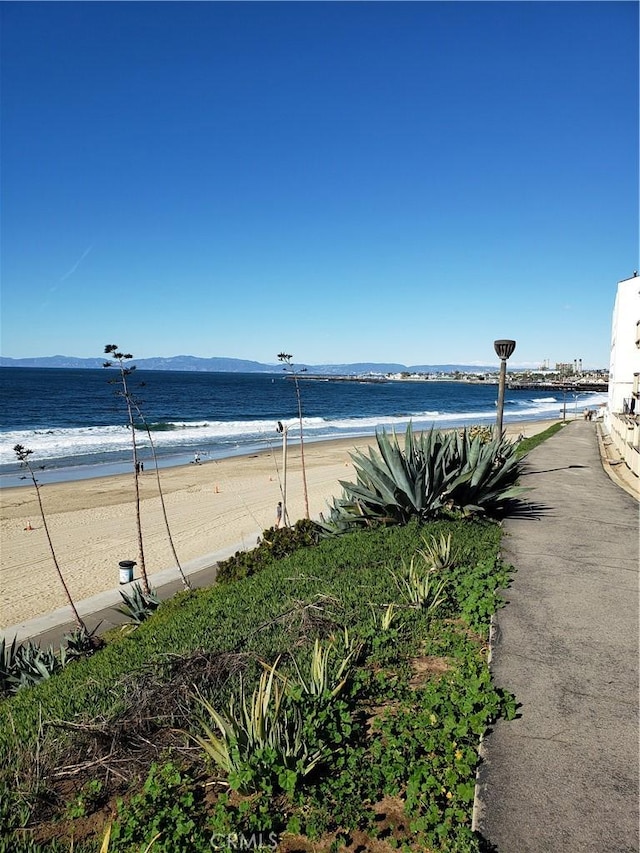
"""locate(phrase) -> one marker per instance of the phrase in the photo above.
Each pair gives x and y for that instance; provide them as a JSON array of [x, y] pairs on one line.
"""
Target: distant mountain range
[[241, 365]]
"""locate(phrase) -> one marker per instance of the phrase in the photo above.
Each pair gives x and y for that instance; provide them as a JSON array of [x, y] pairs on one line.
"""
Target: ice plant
[[23, 454]]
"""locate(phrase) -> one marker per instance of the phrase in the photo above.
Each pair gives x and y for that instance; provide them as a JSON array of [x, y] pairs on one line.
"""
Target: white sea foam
[[81, 445]]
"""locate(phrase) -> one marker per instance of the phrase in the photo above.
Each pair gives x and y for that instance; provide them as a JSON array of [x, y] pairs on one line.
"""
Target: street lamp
[[504, 350]]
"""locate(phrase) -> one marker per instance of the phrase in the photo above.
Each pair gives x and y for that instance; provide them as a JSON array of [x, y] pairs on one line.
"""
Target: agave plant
[[433, 473], [394, 484], [321, 681], [125, 372], [27, 664], [138, 604], [81, 643], [422, 586], [266, 726], [487, 473], [23, 455], [287, 359], [8, 665], [32, 664]]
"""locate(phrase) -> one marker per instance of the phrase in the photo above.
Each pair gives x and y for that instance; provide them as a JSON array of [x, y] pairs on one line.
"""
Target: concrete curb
[[615, 467], [478, 809]]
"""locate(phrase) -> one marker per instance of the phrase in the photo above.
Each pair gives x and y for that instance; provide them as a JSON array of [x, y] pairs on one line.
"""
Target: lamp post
[[503, 349]]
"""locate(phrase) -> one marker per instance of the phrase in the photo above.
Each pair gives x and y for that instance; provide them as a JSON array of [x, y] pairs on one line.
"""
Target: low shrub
[[275, 543]]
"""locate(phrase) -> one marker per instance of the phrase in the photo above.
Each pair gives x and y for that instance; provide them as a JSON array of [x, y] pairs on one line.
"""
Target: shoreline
[[214, 507], [48, 476]]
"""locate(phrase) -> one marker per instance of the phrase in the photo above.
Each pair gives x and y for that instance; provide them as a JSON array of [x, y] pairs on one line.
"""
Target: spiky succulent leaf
[[456, 470]]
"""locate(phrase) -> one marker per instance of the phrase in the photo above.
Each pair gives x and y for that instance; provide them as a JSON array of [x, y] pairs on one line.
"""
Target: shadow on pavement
[[530, 510], [549, 470], [485, 846]]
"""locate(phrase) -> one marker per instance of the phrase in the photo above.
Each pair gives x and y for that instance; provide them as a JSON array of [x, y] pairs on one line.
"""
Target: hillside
[[240, 365]]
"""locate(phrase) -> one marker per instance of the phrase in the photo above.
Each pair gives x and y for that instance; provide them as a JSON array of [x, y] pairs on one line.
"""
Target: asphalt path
[[563, 776]]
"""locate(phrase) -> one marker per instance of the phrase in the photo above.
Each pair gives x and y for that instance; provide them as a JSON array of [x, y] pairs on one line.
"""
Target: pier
[[329, 378], [575, 387]]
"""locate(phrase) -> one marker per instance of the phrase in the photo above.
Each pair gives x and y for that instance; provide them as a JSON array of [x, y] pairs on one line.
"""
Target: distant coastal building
[[572, 368], [622, 419]]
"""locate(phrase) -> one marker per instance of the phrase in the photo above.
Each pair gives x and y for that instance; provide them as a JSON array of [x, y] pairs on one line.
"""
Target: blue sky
[[345, 181]]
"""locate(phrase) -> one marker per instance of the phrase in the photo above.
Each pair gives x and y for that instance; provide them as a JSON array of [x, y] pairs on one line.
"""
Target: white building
[[623, 406]]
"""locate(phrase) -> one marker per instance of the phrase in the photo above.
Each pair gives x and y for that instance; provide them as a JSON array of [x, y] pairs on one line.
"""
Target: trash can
[[126, 571]]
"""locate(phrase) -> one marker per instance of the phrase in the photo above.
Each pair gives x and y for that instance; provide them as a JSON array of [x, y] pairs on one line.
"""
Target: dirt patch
[[424, 668]]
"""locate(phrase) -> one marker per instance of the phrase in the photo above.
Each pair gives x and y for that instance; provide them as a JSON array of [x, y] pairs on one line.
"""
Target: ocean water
[[75, 420]]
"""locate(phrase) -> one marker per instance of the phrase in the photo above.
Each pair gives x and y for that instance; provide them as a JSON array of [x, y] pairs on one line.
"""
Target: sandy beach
[[212, 507]]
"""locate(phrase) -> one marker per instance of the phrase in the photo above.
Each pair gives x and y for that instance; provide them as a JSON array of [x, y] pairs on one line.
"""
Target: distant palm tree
[[23, 455], [287, 358]]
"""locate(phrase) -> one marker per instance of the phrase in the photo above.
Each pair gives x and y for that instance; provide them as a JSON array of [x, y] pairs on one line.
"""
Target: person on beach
[[279, 514]]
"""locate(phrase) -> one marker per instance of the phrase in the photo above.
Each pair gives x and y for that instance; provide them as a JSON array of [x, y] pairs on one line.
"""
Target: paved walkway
[[563, 777]]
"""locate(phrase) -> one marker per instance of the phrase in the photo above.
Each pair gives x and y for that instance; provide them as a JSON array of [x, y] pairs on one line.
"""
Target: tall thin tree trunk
[[185, 582], [304, 470], [287, 358], [76, 615], [285, 511], [136, 477]]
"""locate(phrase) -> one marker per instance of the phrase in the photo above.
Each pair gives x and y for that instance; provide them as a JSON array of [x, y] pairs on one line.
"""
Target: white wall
[[625, 354]]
